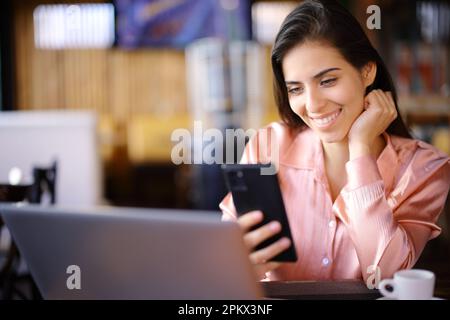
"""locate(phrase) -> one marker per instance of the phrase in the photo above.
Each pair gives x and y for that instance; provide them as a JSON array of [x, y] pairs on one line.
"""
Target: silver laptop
[[129, 253]]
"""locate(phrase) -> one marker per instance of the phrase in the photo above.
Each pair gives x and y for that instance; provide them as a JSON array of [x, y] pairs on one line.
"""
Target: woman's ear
[[369, 72]]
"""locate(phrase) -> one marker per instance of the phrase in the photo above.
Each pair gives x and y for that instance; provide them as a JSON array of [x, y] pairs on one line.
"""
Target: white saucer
[[386, 298]]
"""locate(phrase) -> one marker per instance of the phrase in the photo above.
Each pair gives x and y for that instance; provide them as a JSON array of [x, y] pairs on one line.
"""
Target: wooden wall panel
[[47, 81], [116, 81], [119, 85], [123, 86], [85, 79], [22, 37], [173, 76]]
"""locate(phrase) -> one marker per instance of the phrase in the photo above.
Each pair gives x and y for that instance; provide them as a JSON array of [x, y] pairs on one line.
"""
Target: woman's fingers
[[264, 255], [391, 103], [255, 237], [262, 269], [391, 98], [260, 259], [249, 220], [383, 105], [383, 98], [373, 102], [388, 106], [366, 102], [376, 100]]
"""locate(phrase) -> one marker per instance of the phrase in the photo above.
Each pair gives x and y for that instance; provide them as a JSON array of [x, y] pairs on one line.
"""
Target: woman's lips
[[327, 120]]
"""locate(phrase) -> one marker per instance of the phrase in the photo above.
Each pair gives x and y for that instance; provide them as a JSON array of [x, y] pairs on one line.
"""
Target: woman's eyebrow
[[318, 75], [321, 73]]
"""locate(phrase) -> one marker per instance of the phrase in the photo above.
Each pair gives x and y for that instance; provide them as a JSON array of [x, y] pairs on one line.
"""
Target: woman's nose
[[314, 101]]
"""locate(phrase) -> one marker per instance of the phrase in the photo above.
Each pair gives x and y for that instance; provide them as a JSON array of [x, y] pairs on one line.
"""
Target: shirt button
[[332, 224], [325, 261]]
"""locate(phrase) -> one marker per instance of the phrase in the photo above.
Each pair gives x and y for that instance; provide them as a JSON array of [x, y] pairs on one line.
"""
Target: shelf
[[425, 109], [425, 105], [419, 118]]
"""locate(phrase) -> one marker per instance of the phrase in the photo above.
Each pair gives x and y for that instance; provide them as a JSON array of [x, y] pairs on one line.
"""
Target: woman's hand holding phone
[[253, 238]]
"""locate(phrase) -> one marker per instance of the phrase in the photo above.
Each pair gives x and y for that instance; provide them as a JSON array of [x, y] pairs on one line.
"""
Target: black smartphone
[[252, 190]]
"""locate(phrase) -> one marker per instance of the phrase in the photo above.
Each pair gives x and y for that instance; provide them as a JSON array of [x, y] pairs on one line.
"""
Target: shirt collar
[[305, 152]]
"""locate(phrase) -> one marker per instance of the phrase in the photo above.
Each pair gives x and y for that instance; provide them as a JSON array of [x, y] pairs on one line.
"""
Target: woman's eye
[[295, 90], [328, 82]]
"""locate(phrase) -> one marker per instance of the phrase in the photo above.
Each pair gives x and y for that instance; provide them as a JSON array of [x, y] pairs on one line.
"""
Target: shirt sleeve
[[391, 233], [228, 209]]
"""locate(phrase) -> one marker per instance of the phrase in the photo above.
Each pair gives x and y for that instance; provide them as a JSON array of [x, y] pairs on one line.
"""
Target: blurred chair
[[30, 139], [14, 278], [57, 153]]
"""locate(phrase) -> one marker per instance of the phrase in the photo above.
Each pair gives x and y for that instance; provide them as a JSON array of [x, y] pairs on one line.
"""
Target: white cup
[[411, 284]]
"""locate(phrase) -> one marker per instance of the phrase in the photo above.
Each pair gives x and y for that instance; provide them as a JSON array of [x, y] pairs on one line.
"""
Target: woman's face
[[324, 89]]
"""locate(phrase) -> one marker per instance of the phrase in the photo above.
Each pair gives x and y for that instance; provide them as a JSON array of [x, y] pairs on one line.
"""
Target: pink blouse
[[382, 218]]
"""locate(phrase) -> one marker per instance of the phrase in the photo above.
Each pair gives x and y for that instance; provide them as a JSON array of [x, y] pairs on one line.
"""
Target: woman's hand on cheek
[[378, 115]]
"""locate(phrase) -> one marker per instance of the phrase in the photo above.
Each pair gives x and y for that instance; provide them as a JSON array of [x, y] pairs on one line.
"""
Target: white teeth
[[325, 121]]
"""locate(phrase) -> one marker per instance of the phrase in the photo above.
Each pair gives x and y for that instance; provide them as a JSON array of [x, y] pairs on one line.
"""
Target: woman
[[361, 195]]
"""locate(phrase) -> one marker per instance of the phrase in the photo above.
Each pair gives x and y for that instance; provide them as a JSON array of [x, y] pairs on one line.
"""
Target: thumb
[[369, 99], [366, 103]]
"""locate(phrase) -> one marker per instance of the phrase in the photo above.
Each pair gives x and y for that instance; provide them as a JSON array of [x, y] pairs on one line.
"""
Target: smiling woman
[[326, 92], [333, 28], [361, 195]]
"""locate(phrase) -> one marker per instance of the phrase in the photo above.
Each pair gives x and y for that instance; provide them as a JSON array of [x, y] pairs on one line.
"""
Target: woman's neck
[[336, 155], [338, 152]]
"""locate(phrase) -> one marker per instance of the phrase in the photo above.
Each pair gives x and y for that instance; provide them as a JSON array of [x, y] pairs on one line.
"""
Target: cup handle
[[386, 293]]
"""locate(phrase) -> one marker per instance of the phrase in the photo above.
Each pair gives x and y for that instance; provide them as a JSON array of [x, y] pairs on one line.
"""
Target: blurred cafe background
[[91, 92]]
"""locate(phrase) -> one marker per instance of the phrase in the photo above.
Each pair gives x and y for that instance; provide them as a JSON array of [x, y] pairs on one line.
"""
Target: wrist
[[358, 149]]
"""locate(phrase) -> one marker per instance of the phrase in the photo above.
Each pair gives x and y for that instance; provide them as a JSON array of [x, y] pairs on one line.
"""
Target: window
[[74, 26]]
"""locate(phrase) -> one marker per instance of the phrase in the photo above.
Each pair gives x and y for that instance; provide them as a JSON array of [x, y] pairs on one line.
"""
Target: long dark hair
[[331, 23]]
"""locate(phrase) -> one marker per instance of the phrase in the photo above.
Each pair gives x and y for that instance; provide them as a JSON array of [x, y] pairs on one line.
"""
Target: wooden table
[[334, 290], [442, 289]]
